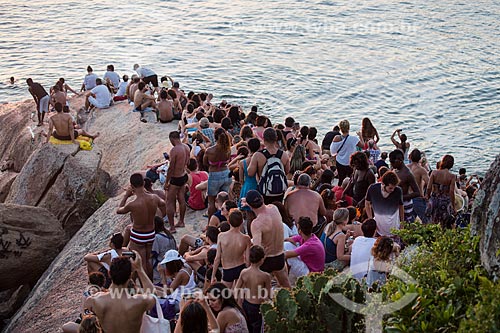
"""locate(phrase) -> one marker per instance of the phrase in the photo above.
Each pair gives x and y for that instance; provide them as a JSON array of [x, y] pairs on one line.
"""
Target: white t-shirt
[[113, 77], [122, 89], [360, 256], [144, 72], [349, 147], [287, 232], [102, 95], [89, 81]]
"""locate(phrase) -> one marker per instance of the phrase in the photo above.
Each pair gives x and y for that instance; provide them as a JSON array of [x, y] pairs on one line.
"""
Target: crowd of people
[[279, 205]]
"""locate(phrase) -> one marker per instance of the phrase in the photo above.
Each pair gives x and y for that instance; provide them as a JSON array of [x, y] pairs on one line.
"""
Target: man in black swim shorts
[[175, 184], [267, 231]]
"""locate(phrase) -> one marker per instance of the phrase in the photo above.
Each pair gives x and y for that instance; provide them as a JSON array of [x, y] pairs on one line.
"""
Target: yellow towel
[[85, 142]]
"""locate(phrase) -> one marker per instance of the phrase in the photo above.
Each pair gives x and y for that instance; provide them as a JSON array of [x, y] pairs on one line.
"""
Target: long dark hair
[[194, 319], [222, 140], [220, 291]]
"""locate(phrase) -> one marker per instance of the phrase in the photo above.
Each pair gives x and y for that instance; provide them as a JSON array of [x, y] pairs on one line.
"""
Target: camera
[[129, 254]]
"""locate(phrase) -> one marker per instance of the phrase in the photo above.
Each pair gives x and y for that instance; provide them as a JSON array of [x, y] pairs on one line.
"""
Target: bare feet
[[172, 230], [97, 135], [180, 225]]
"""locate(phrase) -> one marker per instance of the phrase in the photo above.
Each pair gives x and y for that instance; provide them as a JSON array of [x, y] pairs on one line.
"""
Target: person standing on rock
[[118, 310], [41, 98], [176, 181], [142, 213]]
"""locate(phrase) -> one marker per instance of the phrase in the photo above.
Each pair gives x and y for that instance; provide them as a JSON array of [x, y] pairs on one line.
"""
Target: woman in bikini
[[217, 158], [368, 132], [441, 193]]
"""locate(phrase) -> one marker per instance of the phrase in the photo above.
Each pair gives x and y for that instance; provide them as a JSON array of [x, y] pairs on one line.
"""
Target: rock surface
[[11, 300], [39, 173], [127, 145], [17, 142], [30, 238], [486, 219], [6, 180]]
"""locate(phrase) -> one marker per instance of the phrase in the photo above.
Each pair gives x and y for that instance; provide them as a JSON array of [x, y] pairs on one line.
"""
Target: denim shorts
[[218, 181]]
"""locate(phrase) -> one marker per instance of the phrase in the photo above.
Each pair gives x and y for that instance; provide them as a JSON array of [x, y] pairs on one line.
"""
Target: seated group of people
[[274, 213]]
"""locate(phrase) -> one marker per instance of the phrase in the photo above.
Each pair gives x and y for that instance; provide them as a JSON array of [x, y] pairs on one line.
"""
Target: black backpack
[[273, 180]]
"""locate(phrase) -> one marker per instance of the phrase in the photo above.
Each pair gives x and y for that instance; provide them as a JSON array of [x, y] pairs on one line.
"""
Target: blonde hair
[[344, 126], [340, 216]]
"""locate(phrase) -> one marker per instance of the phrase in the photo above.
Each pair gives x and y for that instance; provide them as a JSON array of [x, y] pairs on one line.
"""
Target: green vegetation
[[454, 292]]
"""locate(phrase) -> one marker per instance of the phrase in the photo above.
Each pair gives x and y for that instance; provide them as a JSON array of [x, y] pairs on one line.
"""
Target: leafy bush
[[454, 292], [309, 307], [449, 277]]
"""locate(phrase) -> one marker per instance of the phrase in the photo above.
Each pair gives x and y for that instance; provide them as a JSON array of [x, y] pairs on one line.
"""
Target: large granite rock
[[6, 180], [56, 297], [39, 173], [30, 238], [486, 219], [72, 196], [15, 136], [63, 179], [11, 300]]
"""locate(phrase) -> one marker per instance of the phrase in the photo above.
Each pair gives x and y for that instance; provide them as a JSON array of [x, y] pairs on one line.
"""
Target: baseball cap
[[254, 199]]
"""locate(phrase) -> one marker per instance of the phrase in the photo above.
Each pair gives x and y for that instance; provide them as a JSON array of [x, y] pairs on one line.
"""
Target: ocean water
[[430, 68]]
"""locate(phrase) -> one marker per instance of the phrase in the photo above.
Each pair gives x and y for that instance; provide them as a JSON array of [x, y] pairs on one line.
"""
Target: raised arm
[[124, 208], [394, 140]]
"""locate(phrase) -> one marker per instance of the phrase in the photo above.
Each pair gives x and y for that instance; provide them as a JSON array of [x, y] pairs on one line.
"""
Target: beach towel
[[86, 143]]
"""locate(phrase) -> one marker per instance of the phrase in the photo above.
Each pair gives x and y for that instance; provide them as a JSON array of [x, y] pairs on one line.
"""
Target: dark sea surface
[[430, 68]]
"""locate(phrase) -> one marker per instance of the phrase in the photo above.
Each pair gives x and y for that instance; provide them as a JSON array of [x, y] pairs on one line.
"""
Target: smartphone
[[129, 254], [296, 126]]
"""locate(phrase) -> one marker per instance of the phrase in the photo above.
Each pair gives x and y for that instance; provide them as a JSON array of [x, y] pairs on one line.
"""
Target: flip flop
[[172, 231], [180, 225], [144, 120]]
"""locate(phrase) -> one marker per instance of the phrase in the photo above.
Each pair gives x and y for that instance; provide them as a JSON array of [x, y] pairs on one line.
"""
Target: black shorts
[[66, 137], [164, 122], [179, 181], [269, 200], [232, 274], [273, 264], [153, 79]]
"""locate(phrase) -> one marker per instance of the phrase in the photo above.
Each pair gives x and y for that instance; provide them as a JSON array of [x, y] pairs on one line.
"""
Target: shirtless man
[[259, 160], [302, 201], [232, 251], [61, 126], [132, 87], [267, 231], [118, 310], [58, 96], [165, 106], [142, 213], [143, 100], [406, 182], [41, 99], [175, 184], [422, 179]]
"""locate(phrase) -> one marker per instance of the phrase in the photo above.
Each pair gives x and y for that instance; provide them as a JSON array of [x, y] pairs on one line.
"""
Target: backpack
[[273, 180]]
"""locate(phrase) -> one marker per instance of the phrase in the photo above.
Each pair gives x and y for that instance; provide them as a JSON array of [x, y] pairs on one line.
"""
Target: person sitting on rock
[[163, 242], [100, 261], [198, 256], [99, 97], [61, 127], [119, 310], [96, 284]]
